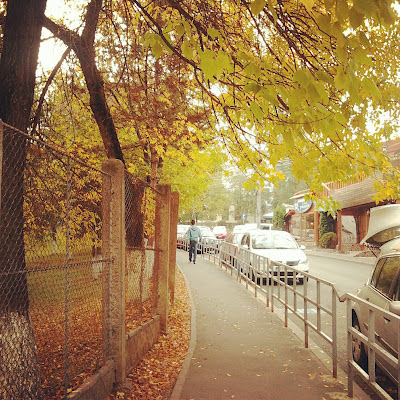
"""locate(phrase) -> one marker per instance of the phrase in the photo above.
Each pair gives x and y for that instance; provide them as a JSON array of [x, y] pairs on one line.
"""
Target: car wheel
[[359, 354]]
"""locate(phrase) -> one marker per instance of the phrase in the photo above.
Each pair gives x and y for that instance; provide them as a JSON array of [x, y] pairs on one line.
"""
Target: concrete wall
[[141, 340], [138, 343]]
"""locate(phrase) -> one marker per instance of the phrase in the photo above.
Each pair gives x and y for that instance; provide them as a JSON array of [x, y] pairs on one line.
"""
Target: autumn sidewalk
[[241, 350]]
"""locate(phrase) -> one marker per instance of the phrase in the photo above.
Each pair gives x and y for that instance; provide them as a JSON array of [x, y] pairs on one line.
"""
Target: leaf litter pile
[[155, 376]]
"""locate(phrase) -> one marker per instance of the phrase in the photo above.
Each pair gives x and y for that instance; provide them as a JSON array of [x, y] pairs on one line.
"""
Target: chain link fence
[[57, 273], [51, 321], [139, 223]]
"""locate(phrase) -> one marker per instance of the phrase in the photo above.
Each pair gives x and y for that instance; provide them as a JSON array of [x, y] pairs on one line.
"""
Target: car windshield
[[274, 241]]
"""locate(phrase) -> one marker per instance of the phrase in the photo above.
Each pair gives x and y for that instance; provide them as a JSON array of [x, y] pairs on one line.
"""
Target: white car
[[279, 247], [181, 235], [382, 288], [208, 241], [220, 232]]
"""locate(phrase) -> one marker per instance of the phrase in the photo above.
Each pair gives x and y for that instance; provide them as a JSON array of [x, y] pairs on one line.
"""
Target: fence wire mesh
[[139, 222], [51, 286]]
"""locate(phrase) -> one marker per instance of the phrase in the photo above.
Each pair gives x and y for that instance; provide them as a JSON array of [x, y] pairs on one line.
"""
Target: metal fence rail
[[275, 281], [375, 347], [278, 283]]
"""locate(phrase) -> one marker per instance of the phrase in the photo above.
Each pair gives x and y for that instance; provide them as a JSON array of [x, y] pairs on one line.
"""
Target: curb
[[359, 260], [177, 390]]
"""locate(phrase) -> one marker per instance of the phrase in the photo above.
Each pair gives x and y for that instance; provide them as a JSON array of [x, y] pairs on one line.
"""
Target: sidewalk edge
[[177, 390]]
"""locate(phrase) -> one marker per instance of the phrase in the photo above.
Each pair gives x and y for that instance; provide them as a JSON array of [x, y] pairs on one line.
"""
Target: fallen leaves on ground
[[155, 376]]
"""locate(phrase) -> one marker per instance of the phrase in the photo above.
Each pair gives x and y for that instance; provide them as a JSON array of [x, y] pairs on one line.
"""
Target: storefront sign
[[301, 205]]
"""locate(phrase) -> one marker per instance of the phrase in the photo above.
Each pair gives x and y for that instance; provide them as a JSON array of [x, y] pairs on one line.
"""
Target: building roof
[[392, 147], [356, 194]]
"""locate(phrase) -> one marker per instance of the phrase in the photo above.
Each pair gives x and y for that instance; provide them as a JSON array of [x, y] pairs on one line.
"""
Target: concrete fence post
[[161, 260], [113, 241], [172, 244]]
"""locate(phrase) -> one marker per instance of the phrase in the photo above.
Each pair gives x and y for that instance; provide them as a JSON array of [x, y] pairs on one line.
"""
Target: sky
[[51, 51]]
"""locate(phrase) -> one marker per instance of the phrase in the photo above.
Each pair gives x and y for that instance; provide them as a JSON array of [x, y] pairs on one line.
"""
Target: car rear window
[[387, 275], [377, 271]]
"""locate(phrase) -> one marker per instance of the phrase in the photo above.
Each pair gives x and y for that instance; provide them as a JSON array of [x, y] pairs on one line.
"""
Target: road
[[347, 276]]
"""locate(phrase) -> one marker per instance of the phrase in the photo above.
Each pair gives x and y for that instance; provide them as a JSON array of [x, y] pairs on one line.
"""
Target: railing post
[[334, 333], [268, 281], [114, 248], [161, 260], [305, 293], [350, 372], [172, 245]]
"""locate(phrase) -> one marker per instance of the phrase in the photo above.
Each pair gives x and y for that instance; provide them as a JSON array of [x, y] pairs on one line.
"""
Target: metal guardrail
[[275, 281], [372, 344], [278, 283]]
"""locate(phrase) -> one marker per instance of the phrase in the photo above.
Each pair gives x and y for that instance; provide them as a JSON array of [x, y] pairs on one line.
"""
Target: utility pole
[[258, 210]]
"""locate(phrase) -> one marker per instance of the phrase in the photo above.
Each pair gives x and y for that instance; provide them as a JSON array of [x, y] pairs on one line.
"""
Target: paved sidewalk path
[[242, 350]]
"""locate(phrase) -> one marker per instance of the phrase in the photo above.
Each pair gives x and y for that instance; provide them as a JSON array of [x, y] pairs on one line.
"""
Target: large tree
[[295, 79], [20, 46]]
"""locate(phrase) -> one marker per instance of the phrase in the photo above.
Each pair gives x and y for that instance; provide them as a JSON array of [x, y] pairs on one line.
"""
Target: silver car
[[279, 247], [383, 286]]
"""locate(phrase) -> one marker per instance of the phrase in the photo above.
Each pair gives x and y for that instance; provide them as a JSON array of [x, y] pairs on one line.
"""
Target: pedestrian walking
[[194, 236]]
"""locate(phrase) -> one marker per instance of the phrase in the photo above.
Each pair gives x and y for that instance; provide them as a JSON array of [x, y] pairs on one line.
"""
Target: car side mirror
[[394, 307], [302, 247]]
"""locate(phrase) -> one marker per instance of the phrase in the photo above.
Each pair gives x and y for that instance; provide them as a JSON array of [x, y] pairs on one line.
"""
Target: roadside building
[[356, 200], [302, 220]]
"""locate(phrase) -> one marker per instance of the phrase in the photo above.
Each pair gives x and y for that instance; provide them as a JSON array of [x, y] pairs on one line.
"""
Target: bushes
[[279, 217], [326, 224], [328, 240], [327, 228]]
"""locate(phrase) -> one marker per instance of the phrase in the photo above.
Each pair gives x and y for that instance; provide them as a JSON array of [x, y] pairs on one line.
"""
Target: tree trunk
[[83, 46], [19, 372]]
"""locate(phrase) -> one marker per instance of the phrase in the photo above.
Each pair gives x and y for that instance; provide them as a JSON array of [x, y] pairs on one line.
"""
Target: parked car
[[382, 288], [266, 226], [229, 255], [244, 228], [220, 232], [181, 236], [279, 247], [207, 239]]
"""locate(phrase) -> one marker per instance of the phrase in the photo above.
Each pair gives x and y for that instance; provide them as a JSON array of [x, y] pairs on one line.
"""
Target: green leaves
[[214, 65], [308, 4], [257, 6], [370, 87]]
